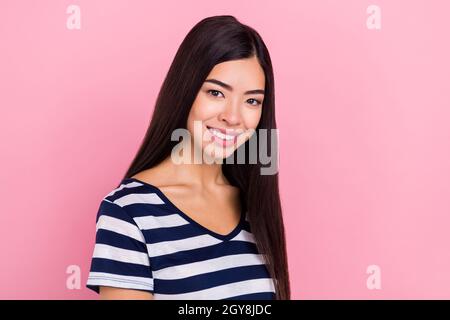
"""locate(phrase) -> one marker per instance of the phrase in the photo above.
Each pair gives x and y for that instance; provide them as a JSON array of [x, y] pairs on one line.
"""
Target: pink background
[[364, 135]]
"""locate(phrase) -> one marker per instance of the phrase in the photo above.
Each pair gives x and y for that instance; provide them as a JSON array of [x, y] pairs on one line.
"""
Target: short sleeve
[[120, 258]]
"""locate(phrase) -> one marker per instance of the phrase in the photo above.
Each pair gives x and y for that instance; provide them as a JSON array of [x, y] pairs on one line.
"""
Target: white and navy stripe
[[144, 242]]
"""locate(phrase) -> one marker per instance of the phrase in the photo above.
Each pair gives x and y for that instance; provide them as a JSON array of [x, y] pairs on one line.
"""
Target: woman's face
[[228, 107]]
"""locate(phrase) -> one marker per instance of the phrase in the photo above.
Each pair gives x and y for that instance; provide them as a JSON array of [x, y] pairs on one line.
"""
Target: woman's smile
[[224, 137]]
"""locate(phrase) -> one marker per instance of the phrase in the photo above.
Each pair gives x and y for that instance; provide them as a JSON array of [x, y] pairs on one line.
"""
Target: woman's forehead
[[243, 74]]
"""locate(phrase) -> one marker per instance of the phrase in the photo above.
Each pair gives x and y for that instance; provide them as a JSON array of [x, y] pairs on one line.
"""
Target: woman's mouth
[[224, 137]]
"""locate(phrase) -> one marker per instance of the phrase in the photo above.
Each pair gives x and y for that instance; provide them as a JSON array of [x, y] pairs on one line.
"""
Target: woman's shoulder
[[163, 183], [150, 176], [136, 196]]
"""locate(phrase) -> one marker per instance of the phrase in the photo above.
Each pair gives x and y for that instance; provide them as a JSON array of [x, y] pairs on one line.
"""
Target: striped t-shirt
[[144, 242]]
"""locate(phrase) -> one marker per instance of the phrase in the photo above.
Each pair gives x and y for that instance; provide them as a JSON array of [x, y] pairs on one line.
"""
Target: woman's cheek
[[251, 118], [200, 105], [210, 110]]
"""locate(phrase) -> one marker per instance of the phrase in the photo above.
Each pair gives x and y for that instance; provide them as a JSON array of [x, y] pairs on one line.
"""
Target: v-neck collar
[[167, 201]]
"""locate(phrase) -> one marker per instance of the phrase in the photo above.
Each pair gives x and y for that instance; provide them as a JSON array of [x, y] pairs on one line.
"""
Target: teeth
[[220, 135]]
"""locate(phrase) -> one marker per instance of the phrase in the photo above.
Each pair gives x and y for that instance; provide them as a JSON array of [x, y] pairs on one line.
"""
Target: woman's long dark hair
[[211, 41]]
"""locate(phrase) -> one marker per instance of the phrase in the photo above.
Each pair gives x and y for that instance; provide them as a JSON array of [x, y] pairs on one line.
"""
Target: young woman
[[205, 230]]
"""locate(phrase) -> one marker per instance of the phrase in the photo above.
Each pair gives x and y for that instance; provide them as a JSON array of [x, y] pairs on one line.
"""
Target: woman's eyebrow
[[230, 88]]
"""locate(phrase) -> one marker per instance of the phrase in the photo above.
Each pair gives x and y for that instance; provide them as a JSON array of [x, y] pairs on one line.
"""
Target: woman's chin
[[218, 153]]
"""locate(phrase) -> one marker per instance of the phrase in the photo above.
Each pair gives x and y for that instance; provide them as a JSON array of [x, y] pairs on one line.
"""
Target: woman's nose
[[231, 114]]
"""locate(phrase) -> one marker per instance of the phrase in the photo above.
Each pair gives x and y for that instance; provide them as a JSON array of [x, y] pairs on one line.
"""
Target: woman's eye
[[254, 102], [215, 93]]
